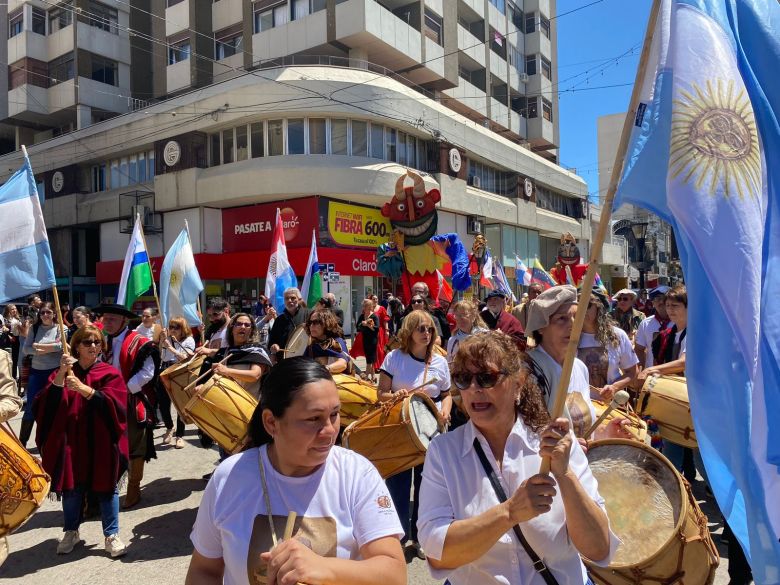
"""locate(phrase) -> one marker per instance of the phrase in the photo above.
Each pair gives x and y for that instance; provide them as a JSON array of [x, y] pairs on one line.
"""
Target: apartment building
[[221, 112]]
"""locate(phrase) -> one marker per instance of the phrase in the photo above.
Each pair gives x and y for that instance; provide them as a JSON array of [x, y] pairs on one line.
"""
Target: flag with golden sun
[[705, 156]]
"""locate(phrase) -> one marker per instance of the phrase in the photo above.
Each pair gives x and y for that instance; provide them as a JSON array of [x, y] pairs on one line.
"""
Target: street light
[[639, 229]]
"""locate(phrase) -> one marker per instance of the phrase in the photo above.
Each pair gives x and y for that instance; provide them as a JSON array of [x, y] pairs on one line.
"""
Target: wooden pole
[[606, 214]]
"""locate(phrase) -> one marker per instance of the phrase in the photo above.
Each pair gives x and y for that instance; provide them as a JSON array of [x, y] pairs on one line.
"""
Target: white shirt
[[645, 335], [407, 372], [147, 332], [143, 376], [454, 341], [455, 487], [219, 339], [620, 358], [683, 344], [188, 345], [341, 507]]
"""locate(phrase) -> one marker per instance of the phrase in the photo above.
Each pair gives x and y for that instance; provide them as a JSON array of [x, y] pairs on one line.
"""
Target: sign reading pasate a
[[357, 226], [252, 227]]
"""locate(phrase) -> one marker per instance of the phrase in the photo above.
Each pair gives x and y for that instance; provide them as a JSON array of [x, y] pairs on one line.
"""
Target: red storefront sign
[[252, 227]]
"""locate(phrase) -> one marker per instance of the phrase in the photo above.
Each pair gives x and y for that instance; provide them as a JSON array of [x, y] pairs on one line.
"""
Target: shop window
[[227, 146], [38, 21], [61, 16], [258, 146], [295, 136], [318, 143], [132, 170], [241, 143], [275, 137], [377, 141], [15, 24], [530, 65], [359, 138], [124, 176], [338, 136]]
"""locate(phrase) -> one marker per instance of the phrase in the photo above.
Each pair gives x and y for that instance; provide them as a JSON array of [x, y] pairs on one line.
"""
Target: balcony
[[27, 44], [226, 13], [478, 6], [101, 42], [517, 124], [177, 18], [229, 67], [539, 85], [28, 102], [496, 19], [498, 66], [541, 132], [471, 46], [537, 43], [178, 76], [61, 42], [292, 37], [472, 97], [542, 6], [499, 113], [62, 96]]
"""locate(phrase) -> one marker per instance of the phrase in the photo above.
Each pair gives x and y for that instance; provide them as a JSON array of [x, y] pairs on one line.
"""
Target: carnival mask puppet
[[412, 211]]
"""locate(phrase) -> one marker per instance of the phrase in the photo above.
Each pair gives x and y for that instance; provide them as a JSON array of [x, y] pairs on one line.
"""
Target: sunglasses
[[424, 329], [315, 322], [625, 298], [418, 302], [242, 324], [463, 380], [91, 342], [174, 326], [47, 312]]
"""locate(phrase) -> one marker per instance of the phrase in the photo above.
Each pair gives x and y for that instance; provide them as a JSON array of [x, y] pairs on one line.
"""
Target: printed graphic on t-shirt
[[597, 361], [319, 534], [579, 411]]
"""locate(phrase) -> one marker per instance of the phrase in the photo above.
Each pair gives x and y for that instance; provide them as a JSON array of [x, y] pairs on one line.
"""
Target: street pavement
[[156, 531]]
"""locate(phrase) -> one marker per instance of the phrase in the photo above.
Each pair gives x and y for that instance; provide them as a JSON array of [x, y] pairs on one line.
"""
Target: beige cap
[[546, 304]]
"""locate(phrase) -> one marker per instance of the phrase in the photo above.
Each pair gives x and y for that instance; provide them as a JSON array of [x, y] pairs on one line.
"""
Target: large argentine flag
[[25, 257], [280, 275], [136, 272], [180, 283], [705, 155]]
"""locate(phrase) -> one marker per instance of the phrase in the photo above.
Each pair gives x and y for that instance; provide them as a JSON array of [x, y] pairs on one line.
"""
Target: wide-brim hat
[[114, 309], [659, 291], [546, 304], [625, 291]]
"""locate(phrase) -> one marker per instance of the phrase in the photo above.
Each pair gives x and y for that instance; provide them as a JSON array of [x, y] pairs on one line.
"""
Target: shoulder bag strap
[[538, 563]]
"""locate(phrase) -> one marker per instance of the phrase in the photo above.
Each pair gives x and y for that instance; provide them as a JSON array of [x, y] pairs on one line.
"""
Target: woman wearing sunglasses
[[367, 338], [467, 528], [44, 345], [82, 436], [177, 345], [327, 342], [414, 365]]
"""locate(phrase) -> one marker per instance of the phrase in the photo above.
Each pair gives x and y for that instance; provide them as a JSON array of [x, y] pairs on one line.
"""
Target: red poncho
[[84, 442]]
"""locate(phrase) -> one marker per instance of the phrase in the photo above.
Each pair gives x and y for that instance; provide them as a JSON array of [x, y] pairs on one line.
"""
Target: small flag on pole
[[541, 276], [522, 273], [280, 275], [25, 257], [311, 289], [136, 272], [445, 290], [486, 276], [180, 283]]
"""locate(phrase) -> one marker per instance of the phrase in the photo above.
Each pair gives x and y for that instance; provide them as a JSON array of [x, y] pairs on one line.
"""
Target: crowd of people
[[490, 368]]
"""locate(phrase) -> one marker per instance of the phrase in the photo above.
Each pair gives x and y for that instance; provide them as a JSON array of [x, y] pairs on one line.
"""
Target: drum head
[[424, 423], [643, 497], [297, 342]]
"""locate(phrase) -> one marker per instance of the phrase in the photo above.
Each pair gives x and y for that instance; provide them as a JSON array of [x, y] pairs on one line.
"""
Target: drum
[[665, 400], [177, 380], [297, 342], [356, 397], [23, 483], [395, 435], [664, 535], [222, 409], [636, 427]]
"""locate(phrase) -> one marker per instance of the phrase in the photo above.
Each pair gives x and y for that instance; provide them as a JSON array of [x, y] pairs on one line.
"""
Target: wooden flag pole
[[606, 214], [149, 262]]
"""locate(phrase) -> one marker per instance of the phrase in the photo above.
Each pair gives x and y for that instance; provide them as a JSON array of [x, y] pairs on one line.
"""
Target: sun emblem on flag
[[714, 140], [175, 278]]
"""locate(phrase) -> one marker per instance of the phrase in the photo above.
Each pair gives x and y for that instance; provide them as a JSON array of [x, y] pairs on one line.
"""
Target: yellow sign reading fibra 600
[[357, 226]]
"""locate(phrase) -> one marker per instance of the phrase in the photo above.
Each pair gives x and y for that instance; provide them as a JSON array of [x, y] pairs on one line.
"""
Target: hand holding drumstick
[[291, 562]]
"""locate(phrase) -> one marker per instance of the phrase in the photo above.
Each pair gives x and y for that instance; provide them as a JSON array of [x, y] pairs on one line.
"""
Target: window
[[530, 23], [215, 150], [132, 170], [518, 105], [359, 138], [150, 164], [142, 167], [547, 110], [38, 21], [178, 52], [530, 65], [515, 15], [15, 24], [497, 43], [258, 146], [300, 9], [264, 20], [317, 5], [242, 152], [544, 26], [499, 4], [227, 146], [61, 69], [173, 2], [99, 178], [558, 203], [114, 174], [546, 68], [102, 17], [377, 141], [410, 151], [401, 148], [433, 27], [533, 107], [516, 59], [318, 143], [228, 45], [104, 70], [275, 137], [124, 176], [61, 16], [295, 136], [390, 144], [338, 137], [281, 15]]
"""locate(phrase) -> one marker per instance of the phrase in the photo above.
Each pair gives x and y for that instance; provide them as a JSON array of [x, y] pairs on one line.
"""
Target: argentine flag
[[136, 272], [180, 283], [280, 274], [25, 257]]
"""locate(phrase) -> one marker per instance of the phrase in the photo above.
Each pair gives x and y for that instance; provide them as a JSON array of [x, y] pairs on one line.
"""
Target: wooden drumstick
[[620, 398], [288, 528], [194, 383]]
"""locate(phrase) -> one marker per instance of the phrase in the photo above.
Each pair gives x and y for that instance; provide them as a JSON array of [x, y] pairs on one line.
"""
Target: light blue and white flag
[[180, 283], [502, 284], [705, 156], [280, 275], [522, 273], [25, 257]]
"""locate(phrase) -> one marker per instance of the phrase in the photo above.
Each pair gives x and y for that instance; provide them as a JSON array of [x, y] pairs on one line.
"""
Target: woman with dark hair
[[80, 317], [396, 311], [346, 530], [16, 330], [465, 526], [367, 339], [177, 345], [327, 341], [82, 436], [669, 346]]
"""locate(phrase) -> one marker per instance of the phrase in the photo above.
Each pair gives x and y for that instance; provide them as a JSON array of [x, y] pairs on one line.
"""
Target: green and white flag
[[136, 273], [311, 290]]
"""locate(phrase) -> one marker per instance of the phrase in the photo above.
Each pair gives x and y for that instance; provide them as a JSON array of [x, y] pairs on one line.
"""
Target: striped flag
[[25, 257], [445, 290], [311, 289], [280, 275], [180, 283], [523, 275], [502, 284], [540, 276], [486, 276], [136, 272]]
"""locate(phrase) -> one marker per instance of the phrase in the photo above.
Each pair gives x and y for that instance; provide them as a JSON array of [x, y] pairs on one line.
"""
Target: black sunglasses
[[416, 301], [424, 329], [242, 324], [315, 322], [91, 342], [463, 380]]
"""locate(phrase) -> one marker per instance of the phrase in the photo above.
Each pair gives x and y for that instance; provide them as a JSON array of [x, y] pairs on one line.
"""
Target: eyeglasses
[[625, 298], [424, 329], [47, 312], [315, 322], [484, 379], [91, 342], [417, 301], [172, 326], [242, 324]]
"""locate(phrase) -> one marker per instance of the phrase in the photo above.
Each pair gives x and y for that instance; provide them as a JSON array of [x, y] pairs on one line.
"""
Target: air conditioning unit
[[524, 77]]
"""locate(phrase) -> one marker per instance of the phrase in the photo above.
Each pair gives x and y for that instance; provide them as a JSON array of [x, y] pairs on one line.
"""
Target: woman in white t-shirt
[[149, 326], [346, 529], [414, 366], [605, 350]]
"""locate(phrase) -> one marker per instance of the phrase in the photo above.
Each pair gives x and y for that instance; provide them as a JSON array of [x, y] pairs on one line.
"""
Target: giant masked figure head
[[412, 211], [568, 252]]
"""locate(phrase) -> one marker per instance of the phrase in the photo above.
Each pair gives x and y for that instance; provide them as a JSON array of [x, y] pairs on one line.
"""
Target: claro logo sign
[[251, 228], [359, 265], [290, 222]]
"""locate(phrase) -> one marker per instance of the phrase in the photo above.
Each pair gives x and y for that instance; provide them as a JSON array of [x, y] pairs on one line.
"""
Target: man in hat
[[651, 327], [624, 313], [497, 318], [138, 359]]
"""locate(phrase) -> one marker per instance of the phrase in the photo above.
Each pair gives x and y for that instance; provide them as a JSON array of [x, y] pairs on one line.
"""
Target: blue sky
[[598, 46]]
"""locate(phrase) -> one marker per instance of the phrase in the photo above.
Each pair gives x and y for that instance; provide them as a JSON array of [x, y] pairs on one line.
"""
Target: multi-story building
[[221, 112]]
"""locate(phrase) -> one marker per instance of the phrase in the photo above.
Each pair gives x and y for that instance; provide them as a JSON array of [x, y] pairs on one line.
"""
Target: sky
[[598, 45]]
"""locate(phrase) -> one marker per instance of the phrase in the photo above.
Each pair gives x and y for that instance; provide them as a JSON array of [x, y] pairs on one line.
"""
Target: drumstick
[[620, 398], [288, 528], [192, 384]]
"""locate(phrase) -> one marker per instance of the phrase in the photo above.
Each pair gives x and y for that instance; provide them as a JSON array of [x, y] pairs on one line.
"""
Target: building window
[[401, 148], [300, 9], [530, 23], [555, 202], [132, 171], [547, 110], [433, 27], [227, 146], [214, 143], [178, 52], [61, 69], [15, 24], [338, 137], [518, 105], [546, 68], [544, 26], [281, 15], [516, 58], [390, 144], [150, 164], [61, 16], [263, 20], [227, 45], [142, 167], [242, 152], [497, 43], [533, 107], [173, 2], [258, 144], [99, 178], [296, 143], [377, 141], [105, 70], [275, 137], [124, 176], [38, 21], [359, 138], [499, 4], [530, 65], [102, 17], [515, 15], [318, 143]]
